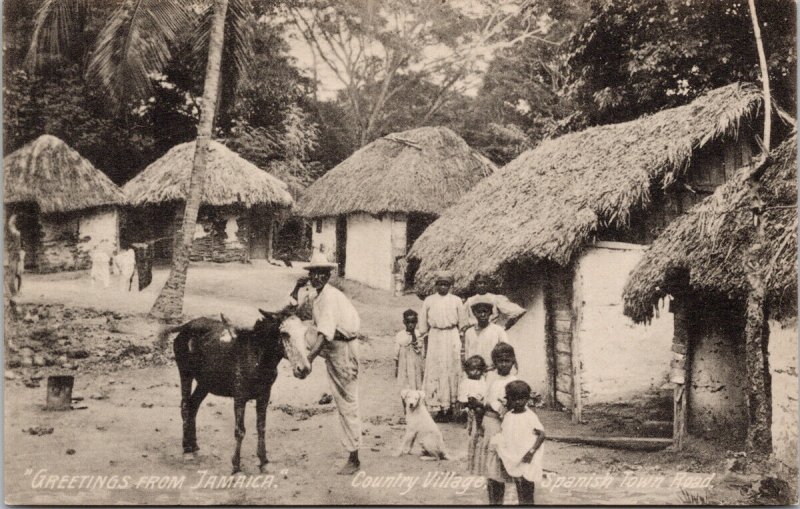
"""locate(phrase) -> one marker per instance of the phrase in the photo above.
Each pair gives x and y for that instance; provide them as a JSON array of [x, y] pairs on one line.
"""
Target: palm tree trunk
[[759, 404], [170, 300]]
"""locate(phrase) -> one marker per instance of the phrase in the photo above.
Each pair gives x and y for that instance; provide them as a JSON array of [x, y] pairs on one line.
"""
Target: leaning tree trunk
[[170, 300], [759, 404]]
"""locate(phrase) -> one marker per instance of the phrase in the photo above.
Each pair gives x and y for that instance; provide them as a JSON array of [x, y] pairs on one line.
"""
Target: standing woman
[[441, 318]]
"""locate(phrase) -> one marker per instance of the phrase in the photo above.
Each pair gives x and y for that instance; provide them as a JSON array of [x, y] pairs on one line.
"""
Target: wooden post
[[59, 392], [577, 314], [680, 371]]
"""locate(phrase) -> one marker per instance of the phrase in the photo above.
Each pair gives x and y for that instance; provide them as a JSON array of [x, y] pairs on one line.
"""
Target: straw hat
[[319, 261], [480, 301]]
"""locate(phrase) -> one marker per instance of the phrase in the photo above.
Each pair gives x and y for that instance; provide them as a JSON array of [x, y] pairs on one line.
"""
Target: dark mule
[[236, 363]]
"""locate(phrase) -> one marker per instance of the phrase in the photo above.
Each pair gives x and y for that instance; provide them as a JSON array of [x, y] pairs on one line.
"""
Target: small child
[[472, 393], [408, 355], [519, 443], [481, 338], [486, 462]]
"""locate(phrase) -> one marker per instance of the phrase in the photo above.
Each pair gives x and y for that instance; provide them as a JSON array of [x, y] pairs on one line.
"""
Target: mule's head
[[293, 345]]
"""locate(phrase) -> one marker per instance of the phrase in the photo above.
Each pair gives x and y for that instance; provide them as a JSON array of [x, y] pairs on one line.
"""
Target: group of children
[[505, 435]]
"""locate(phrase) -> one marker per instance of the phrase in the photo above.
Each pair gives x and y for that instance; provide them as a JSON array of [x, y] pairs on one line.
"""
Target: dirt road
[[124, 447]]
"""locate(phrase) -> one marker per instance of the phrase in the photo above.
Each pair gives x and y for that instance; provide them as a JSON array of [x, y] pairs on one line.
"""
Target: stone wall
[[222, 236], [67, 239]]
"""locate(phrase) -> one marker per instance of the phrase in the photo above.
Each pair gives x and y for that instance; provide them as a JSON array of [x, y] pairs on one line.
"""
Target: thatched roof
[[712, 240], [230, 180], [49, 173], [547, 202], [423, 170]]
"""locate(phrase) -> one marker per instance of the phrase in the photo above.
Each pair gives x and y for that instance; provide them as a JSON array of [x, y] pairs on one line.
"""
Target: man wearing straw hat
[[336, 322]]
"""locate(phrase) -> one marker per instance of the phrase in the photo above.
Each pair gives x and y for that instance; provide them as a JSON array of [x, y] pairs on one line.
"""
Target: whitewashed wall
[[326, 237], [97, 226], [783, 368], [619, 360], [369, 250], [527, 336]]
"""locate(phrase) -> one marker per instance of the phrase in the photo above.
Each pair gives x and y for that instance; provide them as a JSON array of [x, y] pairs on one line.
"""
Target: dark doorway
[[341, 243], [260, 235], [417, 223], [30, 235]]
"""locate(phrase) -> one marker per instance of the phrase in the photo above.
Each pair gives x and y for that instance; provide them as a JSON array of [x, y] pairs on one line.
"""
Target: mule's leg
[[261, 425], [199, 394], [238, 410], [186, 393]]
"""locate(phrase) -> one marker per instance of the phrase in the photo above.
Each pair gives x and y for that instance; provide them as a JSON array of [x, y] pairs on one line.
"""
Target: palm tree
[[134, 43], [170, 300]]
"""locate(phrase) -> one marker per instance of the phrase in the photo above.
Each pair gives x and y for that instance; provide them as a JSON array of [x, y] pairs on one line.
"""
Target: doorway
[[341, 243]]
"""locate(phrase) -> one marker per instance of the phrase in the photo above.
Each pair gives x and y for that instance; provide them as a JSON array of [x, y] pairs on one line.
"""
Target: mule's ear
[[224, 320], [266, 314]]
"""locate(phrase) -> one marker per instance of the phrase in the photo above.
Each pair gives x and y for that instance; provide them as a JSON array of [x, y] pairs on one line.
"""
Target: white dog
[[421, 428]]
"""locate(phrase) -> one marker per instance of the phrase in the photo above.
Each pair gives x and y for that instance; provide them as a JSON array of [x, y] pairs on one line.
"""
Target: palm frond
[[56, 26], [134, 44], [238, 47]]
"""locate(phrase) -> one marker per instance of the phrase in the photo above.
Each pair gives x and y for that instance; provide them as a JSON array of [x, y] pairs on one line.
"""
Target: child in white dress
[[408, 355], [519, 443]]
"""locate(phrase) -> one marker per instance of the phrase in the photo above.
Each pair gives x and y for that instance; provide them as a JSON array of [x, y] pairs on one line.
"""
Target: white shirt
[[497, 391], [403, 339], [469, 388], [332, 311], [514, 441], [481, 342]]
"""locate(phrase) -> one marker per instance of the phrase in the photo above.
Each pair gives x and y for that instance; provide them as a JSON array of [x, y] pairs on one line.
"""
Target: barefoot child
[[472, 393], [408, 357], [488, 464], [519, 444]]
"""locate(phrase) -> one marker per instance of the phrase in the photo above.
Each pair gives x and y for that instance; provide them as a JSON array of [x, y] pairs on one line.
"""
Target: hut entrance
[[417, 223], [341, 243], [30, 236], [260, 236], [558, 337]]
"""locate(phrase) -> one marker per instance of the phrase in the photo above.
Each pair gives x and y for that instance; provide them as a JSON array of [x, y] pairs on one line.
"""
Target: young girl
[[472, 393], [519, 444], [487, 463], [408, 355]]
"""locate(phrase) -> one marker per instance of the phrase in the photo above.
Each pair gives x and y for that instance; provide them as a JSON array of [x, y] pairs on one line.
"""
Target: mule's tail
[[163, 338]]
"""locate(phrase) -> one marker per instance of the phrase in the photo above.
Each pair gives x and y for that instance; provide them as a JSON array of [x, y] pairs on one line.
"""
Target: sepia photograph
[[400, 252]]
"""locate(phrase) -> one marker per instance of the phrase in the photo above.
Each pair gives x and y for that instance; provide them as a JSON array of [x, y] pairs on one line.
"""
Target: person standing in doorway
[[337, 323]]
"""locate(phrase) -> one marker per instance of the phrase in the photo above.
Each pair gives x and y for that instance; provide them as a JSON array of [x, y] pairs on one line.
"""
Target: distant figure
[[100, 266], [20, 268], [13, 245], [124, 264]]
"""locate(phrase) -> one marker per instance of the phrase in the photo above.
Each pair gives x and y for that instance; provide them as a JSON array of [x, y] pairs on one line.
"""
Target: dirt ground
[[122, 442]]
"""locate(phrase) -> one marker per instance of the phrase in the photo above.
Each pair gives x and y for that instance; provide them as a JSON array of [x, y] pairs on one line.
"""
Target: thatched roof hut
[[56, 178], [422, 170], [239, 211], [712, 240], [230, 180], [546, 204]]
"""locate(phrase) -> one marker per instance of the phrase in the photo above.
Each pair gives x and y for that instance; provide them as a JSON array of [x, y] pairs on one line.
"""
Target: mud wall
[[369, 250], [783, 368], [67, 239], [717, 375], [528, 338], [323, 232]]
